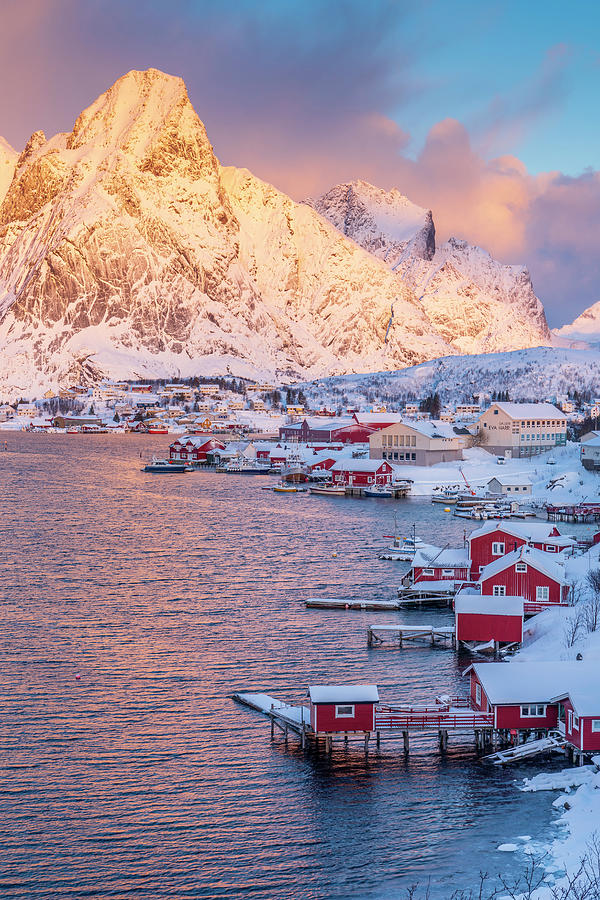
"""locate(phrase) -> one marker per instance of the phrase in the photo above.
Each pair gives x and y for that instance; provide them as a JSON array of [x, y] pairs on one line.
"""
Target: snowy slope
[[586, 327], [385, 223], [533, 374], [475, 302], [126, 249]]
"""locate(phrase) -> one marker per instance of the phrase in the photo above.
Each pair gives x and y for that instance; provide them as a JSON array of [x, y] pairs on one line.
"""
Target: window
[[550, 548], [447, 573], [478, 694], [542, 593], [428, 571], [533, 711], [595, 724], [521, 567], [499, 590], [498, 548], [396, 455], [575, 722], [495, 412], [344, 712], [413, 456]]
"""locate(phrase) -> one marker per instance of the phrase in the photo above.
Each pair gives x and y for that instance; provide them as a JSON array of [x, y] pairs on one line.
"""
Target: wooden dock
[[390, 723], [333, 603], [399, 635]]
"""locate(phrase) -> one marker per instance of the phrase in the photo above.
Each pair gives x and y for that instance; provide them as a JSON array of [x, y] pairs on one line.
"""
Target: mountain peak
[[386, 223]]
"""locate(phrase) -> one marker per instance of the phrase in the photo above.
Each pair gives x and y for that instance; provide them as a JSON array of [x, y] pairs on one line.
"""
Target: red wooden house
[[345, 707], [579, 711], [482, 619], [495, 539], [194, 448], [528, 573], [443, 565], [541, 696], [518, 694], [361, 472]]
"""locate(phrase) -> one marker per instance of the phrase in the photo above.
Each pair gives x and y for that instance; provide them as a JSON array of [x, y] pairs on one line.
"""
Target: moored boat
[[164, 466], [328, 490], [378, 491]]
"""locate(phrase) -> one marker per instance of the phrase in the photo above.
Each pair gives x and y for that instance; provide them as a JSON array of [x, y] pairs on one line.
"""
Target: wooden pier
[[399, 635], [395, 723], [334, 603], [579, 512]]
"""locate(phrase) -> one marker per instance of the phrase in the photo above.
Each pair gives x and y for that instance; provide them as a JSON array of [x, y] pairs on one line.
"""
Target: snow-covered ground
[[563, 481], [578, 789]]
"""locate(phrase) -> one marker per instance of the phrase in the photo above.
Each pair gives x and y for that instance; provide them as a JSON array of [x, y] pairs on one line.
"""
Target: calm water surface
[[165, 594]]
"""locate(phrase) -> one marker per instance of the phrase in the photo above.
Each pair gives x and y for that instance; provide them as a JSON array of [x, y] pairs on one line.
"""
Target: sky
[[485, 112]]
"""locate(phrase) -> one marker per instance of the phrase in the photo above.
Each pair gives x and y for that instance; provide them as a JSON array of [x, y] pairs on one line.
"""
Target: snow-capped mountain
[[385, 223], [127, 250], [475, 302], [537, 373], [586, 327]]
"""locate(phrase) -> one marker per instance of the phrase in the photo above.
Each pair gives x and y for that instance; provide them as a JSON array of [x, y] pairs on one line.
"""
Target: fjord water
[[165, 594]]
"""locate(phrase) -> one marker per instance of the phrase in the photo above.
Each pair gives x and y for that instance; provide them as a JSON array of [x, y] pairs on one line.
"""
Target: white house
[[511, 485]]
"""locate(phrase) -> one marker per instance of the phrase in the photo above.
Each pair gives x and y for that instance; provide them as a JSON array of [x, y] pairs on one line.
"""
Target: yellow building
[[522, 429]]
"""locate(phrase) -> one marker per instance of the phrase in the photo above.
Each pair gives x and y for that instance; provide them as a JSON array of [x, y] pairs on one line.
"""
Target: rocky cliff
[[126, 249]]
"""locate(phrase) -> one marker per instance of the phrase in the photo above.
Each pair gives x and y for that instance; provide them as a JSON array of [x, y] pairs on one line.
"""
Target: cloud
[[301, 93]]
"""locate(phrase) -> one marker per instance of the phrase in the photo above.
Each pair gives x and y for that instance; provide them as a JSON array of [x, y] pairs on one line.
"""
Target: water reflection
[[141, 778]]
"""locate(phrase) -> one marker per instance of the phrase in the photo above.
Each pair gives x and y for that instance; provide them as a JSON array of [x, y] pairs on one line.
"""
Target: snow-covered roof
[[538, 682], [537, 559], [323, 423], [344, 693], [592, 442], [530, 410], [499, 606], [358, 465], [583, 689], [537, 532], [431, 428], [370, 418], [444, 559], [511, 480]]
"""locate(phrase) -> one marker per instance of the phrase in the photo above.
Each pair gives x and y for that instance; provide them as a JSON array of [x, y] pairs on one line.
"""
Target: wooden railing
[[431, 720]]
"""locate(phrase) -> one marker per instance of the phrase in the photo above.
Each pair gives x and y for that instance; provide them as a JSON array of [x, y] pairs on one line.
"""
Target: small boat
[[403, 549], [378, 491], [164, 466], [445, 497], [244, 468], [328, 490], [285, 488]]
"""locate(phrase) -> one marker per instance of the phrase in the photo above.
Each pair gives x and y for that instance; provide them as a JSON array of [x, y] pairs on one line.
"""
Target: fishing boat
[[445, 496], [245, 467], [379, 490], [164, 466], [285, 488], [328, 490], [404, 549]]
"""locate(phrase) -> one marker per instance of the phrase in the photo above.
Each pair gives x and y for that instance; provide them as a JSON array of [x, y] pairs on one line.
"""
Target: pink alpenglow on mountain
[[127, 250]]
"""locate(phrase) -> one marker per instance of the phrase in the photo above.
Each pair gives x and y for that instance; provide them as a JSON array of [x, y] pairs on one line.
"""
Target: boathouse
[[518, 694], [445, 565], [528, 573], [483, 619], [541, 696], [496, 539], [343, 707], [361, 472], [194, 448], [579, 711]]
